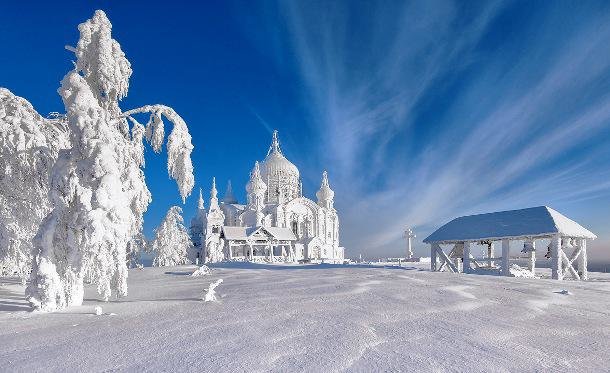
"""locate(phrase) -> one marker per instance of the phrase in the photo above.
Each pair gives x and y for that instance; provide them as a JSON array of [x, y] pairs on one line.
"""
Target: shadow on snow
[[250, 265]]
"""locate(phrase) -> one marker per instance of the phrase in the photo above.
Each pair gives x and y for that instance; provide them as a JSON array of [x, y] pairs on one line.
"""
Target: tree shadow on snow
[[10, 281], [250, 265], [12, 301], [117, 301], [8, 306], [177, 273]]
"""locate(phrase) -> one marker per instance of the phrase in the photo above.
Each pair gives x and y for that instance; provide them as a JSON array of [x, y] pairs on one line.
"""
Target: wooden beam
[[485, 259], [531, 265], [466, 257], [442, 266], [505, 258], [556, 264], [490, 253], [568, 265], [575, 254], [433, 257], [447, 260], [475, 262], [582, 259]]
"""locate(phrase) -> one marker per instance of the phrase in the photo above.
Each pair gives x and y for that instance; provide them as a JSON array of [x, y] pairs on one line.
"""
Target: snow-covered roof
[[236, 206], [234, 233], [243, 233], [284, 234], [530, 222]]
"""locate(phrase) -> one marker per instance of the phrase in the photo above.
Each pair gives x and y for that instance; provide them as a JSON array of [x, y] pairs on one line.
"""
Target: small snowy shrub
[[201, 271], [172, 244], [210, 293]]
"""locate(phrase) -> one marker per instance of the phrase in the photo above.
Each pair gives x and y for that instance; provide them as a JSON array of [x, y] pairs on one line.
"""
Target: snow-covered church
[[277, 224]]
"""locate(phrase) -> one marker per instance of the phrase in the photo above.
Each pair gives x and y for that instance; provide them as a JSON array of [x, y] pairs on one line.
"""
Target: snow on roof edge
[[529, 222]]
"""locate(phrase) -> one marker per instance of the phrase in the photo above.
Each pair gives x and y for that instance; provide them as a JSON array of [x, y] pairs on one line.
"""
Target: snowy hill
[[316, 318]]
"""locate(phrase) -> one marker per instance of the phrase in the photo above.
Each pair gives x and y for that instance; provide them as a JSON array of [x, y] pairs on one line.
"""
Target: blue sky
[[420, 111]]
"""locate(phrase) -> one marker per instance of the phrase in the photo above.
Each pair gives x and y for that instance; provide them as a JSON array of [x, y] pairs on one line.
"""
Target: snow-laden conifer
[[97, 186], [172, 244], [29, 145]]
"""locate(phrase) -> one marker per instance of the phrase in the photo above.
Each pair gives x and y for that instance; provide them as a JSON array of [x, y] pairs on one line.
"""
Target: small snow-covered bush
[[172, 243], [517, 271], [201, 271], [210, 294]]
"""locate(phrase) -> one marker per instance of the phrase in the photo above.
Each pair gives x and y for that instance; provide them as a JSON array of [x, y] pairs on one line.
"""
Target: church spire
[[214, 196], [229, 198], [256, 188], [200, 204], [275, 144]]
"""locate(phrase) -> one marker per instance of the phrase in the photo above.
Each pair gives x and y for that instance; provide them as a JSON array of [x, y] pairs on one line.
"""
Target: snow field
[[317, 318]]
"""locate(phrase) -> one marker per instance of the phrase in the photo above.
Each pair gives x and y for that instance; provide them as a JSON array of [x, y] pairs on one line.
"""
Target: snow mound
[[517, 271], [210, 295], [201, 271]]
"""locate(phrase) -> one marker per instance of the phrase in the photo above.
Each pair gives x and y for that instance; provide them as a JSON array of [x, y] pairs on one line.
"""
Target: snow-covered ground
[[316, 318]]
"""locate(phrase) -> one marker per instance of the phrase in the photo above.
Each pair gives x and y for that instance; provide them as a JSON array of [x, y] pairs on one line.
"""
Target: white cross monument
[[409, 235]]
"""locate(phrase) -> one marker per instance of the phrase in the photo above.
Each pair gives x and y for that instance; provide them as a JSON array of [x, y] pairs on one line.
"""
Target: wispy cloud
[[426, 119]]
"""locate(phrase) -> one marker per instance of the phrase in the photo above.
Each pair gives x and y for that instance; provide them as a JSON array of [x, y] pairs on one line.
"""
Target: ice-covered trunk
[[45, 291], [89, 227], [73, 287]]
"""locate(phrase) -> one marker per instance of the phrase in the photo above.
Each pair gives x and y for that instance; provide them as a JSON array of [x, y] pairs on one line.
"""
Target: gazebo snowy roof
[[530, 222], [244, 233]]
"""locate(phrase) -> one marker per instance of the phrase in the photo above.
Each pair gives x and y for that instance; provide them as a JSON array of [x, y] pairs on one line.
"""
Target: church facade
[[276, 224]]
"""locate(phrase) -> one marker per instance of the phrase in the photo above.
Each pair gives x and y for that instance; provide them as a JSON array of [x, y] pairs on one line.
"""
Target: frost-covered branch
[[179, 145], [29, 145]]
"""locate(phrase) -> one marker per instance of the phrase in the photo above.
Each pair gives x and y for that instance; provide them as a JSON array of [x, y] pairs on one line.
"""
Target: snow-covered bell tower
[[198, 224], [215, 221], [325, 194], [256, 189]]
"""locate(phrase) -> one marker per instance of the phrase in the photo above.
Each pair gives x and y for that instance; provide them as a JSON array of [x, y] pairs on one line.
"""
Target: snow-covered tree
[[29, 145], [97, 185], [172, 244], [135, 247]]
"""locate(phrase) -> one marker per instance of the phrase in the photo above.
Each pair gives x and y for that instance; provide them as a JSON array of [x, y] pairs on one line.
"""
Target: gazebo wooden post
[[271, 246], [532, 258], [433, 257], [490, 254], [582, 259], [466, 257], [505, 257], [556, 263]]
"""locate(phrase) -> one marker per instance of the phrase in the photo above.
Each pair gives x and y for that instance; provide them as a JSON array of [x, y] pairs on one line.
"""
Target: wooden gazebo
[[567, 248], [248, 242]]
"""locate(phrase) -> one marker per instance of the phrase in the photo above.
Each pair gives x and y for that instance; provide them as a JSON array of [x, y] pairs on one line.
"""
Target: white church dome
[[276, 164], [281, 175]]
